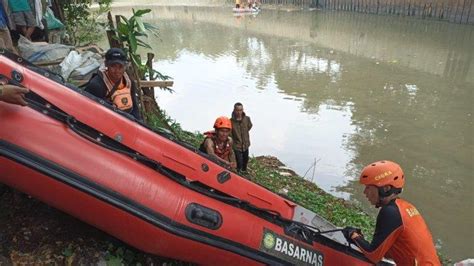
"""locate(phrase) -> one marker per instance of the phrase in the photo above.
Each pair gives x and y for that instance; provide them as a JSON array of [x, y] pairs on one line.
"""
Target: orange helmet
[[222, 122], [383, 173]]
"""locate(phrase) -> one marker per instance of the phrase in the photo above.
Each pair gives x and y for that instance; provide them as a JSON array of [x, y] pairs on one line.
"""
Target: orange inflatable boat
[[80, 155]]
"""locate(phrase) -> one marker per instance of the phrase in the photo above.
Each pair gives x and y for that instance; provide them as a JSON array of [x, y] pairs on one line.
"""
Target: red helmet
[[222, 122], [383, 173]]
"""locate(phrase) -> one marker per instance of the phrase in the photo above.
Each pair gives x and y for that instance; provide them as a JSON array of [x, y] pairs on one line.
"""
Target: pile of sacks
[[77, 64]]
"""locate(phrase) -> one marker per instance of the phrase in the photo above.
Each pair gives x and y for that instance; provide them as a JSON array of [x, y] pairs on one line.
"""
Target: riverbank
[[32, 233]]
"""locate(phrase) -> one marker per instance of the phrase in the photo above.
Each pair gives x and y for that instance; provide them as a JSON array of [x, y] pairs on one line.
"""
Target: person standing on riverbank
[[401, 233], [241, 125]]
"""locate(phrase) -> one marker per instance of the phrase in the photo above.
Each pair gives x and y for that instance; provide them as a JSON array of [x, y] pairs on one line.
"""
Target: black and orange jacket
[[401, 234], [98, 87]]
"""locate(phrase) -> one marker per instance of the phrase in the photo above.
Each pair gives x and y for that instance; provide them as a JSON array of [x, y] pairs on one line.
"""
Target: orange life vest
[[223, 150], [122, 96]]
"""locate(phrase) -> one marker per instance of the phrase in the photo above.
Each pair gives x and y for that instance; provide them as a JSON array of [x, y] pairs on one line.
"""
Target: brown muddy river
[[339, 89]]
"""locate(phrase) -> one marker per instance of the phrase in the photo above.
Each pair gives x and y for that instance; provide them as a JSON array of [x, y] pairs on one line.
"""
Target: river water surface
[[329, 92]]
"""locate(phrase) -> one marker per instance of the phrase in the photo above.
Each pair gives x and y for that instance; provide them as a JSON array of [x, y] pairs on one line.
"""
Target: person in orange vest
[[400, 233], [13, 94], [114, 85], [218, 143]]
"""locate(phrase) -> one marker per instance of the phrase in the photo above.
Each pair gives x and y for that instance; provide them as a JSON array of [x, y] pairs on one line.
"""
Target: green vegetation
[[162, 120], [119, 254], [131, 31], [83, 25], [310, 196]]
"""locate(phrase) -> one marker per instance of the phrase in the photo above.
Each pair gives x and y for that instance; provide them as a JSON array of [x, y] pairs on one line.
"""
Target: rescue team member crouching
[[218, 143], [400, 233], [13, 94], [114, 85]]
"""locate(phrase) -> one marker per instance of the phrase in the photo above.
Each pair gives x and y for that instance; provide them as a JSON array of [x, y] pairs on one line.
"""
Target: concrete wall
[[460, 11]]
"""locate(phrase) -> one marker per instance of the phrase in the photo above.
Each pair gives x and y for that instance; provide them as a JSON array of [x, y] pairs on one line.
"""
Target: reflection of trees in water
[[312, 71], [429, 134], [378, 94], [429, 46], [194, 37], [256, 59], [420, 45]]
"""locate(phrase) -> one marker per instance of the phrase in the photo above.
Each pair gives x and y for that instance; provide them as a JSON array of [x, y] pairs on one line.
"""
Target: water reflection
[[301, 62], [430, 46], [344, 88], [282, 122]]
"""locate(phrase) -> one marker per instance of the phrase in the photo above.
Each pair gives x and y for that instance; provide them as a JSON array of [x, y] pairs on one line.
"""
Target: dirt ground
[[32, 233]]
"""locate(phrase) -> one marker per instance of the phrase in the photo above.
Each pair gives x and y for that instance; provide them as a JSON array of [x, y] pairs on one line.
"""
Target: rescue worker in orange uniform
[[114, 85], [400, 233], [219, 144]]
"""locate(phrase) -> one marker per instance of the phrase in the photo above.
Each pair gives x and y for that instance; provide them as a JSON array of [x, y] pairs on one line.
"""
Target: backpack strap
[[114, 89]]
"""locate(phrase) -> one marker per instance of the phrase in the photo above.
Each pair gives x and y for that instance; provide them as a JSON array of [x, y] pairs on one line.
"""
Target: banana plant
[[131, 31]]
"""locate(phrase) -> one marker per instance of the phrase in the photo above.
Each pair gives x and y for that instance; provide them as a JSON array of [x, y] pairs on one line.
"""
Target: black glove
[[348, 231]]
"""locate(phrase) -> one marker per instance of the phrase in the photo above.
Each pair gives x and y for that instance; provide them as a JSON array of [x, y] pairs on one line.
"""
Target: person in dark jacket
[[114, 85], [241, 125]]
